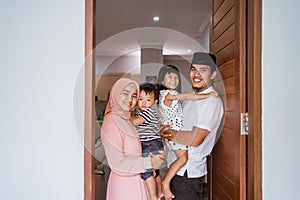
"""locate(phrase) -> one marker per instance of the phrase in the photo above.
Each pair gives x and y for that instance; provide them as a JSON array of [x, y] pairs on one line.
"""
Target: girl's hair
[[166, 69]]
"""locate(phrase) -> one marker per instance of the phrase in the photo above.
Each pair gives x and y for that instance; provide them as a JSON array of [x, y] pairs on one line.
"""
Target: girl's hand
[[171, 97], [167, 133], [214, 93], [168, 99]]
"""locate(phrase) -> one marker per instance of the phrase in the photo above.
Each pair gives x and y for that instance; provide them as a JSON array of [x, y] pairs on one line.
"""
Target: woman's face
[[171, 80], [128, 98]]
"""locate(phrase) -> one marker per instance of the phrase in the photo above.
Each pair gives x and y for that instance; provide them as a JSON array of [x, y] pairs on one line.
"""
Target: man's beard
[[200, 89]]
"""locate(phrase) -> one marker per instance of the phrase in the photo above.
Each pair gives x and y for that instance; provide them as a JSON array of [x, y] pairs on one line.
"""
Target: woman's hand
[[157, 159]]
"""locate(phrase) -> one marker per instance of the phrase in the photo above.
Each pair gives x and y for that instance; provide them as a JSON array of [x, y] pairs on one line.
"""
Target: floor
[[102, 172], [101, 177]]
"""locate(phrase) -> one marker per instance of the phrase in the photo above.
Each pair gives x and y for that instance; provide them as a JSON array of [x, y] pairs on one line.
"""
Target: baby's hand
[[214, 93]]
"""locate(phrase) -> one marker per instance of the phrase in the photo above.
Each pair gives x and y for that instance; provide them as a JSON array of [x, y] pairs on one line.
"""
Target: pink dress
[[123, 152]]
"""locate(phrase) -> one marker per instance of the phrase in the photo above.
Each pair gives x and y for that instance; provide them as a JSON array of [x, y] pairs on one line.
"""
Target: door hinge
[[244, 123]]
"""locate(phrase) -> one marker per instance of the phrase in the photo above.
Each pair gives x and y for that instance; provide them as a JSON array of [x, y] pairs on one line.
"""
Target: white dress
[[172, 115]]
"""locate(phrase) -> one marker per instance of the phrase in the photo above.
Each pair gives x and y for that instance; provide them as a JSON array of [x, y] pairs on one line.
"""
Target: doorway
[[253, 50]]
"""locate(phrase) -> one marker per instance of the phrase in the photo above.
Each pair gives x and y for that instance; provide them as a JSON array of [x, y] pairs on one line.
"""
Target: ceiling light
[[155, 18], [189, 51]]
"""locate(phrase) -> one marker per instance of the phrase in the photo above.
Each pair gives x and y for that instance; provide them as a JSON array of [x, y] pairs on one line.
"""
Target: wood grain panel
[[220, 193], [224, 182], [254, 100], [229, 85], [89, 103], [221, 149], [221, 156], [221, 12], [228, 44], [226, 54], [224, 24], [219, 87], [230, 120], [227, 69], [226, 167], [230, 104], [217, 4], [226, 38], [221, 84]]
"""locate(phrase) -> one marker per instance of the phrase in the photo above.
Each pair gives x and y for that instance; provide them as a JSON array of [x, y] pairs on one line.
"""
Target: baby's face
[[171, 80], [146, 100]]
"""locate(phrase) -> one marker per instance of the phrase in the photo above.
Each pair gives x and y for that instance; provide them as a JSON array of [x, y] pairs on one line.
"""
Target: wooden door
[[227, 42]]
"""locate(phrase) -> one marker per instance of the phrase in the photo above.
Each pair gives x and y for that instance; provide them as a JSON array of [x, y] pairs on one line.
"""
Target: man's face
[[201, 77]]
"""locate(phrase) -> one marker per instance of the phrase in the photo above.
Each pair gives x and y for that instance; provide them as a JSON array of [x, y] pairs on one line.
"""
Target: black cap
[[204, 58]]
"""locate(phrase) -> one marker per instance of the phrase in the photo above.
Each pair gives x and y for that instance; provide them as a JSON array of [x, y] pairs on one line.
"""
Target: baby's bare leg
[[151, 186], [182, 157], [160, 193]]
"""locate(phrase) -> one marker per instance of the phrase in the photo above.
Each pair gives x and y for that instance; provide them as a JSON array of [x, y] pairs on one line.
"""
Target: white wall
[[41, 51], [281, 109]]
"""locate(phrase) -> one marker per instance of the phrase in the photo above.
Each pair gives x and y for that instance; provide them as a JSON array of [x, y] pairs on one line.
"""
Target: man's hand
[[195, 137]]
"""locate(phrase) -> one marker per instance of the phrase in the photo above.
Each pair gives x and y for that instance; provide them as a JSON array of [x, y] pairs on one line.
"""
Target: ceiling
[[123, 26]]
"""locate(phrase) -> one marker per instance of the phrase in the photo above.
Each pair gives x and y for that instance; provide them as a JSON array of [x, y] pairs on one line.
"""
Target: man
[[201, 122]]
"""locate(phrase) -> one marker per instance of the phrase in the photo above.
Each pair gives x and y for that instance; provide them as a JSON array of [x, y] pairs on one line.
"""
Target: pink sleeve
[[122, 152]]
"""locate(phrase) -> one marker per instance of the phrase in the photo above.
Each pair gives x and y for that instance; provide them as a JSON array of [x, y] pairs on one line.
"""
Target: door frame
[[89, 102], [254, 99]]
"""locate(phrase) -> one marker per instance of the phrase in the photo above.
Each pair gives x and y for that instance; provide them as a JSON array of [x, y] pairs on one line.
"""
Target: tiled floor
[[101, 179], [205, 194]]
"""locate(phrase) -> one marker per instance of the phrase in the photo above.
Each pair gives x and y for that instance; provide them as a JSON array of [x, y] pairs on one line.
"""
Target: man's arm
[[195, 137]]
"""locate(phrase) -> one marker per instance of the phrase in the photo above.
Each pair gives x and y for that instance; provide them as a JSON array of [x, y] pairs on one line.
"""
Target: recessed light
[[189, 51], [155, 18]]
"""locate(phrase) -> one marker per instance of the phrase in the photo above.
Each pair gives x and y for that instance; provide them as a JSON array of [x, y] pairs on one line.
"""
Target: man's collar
[[207, 90]]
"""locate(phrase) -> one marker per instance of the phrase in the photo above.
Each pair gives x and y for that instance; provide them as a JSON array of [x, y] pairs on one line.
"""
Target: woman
[[122, 145]]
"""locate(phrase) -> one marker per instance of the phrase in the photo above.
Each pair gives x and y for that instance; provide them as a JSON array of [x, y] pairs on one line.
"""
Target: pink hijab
[[115, 94], [121, 117]]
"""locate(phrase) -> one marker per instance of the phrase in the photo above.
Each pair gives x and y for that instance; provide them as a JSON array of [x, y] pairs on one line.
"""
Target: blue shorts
[[152, 146]]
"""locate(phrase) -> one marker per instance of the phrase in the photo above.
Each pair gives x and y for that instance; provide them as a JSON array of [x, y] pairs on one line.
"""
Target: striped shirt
[[149, 129]]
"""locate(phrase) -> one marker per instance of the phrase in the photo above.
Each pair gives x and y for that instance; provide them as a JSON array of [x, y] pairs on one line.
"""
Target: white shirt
[[206, 114]]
